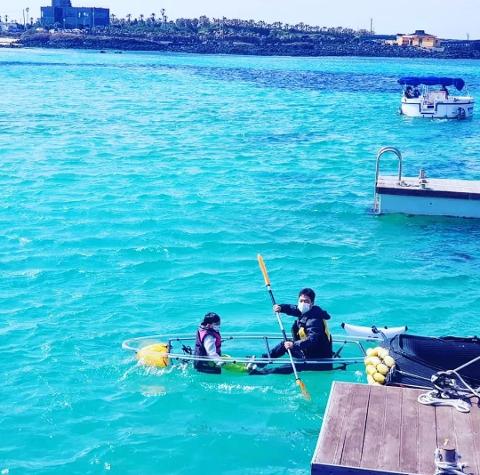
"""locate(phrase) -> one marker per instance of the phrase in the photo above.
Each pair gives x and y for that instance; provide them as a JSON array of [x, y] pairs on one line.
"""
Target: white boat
[[430, 97]]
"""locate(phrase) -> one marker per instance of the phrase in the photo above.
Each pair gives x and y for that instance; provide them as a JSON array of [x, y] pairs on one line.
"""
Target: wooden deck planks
[[352, 450], [330, 442], [467, 430], [375, 425], [389, 455], [427, 438], [444, 426], [384, 430], [409, 433]]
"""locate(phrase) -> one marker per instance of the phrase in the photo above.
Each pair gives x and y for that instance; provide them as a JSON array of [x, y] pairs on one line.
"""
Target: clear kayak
[[162, 350]]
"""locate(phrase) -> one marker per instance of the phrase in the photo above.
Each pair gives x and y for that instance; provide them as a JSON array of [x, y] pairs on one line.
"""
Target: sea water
[[137, 190]]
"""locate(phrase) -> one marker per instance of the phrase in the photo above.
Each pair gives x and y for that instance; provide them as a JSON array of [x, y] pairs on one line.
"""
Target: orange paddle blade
[[304, 390], [263, 268]]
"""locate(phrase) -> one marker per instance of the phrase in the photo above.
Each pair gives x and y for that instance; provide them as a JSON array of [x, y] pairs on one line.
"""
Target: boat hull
[[239, 347], [457, 108], [418, 358]]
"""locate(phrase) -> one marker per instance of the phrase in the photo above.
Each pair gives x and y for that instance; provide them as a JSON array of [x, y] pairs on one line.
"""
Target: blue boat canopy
[[432, 81]]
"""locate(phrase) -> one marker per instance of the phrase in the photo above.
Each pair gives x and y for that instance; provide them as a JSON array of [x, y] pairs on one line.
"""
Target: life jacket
[[206, 366], [301, 333]]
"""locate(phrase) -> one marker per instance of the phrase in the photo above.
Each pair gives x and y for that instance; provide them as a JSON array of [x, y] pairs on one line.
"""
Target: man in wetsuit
[[311, 337]]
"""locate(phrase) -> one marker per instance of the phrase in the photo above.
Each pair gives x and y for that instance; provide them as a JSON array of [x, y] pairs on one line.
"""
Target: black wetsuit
[[311, 340]]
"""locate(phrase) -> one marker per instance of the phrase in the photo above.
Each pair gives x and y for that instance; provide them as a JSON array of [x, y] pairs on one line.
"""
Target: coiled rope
[[448, 392], [431, 398]]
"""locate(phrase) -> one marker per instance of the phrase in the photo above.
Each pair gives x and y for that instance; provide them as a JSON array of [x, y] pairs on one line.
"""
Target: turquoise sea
[[137, 190]]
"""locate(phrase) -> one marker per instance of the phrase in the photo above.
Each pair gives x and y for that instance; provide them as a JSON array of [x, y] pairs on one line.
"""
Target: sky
[[446, 19]]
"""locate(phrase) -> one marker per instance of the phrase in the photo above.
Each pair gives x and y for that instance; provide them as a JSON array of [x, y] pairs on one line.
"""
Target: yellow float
[[377, 365], [371, 370], [154, 355]]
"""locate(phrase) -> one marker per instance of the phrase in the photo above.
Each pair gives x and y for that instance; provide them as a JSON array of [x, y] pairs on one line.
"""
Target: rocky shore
[[298, 45]]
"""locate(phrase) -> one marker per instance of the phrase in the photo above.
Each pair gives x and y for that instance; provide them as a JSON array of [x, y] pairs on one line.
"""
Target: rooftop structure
[[62, 15], [419, 39]]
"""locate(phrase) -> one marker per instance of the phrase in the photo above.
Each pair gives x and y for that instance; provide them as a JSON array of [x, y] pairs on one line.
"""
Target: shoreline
[[180, 44]]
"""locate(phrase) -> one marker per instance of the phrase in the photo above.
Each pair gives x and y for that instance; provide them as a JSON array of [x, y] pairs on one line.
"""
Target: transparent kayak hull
[[241, 347]]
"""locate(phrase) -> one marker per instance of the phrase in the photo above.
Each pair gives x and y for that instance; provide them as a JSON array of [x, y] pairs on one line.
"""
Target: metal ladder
[[383, 150]]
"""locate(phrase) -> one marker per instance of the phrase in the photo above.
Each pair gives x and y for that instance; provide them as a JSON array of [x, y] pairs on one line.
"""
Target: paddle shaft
[[263, 268], [280, 323]]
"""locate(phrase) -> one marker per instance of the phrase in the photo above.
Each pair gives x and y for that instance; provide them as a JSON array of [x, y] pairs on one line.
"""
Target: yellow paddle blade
[[263, 268], [304, 390]]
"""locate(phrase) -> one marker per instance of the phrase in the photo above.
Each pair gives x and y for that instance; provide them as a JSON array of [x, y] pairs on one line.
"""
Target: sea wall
[[247, 46]]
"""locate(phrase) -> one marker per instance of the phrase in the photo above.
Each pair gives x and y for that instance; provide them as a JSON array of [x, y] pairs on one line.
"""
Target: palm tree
[[129, 17], [152, 17], [142, 16], [164, 17], [112, 18]]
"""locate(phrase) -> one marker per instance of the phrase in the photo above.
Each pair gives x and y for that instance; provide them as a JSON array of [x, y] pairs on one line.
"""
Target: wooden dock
[[384, 430]]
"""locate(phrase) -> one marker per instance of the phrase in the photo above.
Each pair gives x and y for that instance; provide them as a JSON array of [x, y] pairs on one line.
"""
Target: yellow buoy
[[370, 379], [154, 355], [372, 352], [370, 369], [389, 361], [382, 368], [379, 378], [382, 352], [374, 360]]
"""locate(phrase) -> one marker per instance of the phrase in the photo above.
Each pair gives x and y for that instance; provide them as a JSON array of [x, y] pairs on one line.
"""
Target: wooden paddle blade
[[304, 390], [263, 268]]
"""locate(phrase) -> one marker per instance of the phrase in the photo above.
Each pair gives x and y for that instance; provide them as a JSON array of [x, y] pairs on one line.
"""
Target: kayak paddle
[[299, 382]]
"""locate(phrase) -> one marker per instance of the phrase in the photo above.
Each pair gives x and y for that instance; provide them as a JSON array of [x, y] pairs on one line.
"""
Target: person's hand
[[288, 345], [277, 308]]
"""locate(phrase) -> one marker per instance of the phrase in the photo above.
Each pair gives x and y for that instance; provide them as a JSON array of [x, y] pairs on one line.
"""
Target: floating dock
[[424, 196], [384, 430]]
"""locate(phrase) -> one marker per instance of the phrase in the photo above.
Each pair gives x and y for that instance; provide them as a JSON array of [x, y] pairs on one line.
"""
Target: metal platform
[[424, 196]]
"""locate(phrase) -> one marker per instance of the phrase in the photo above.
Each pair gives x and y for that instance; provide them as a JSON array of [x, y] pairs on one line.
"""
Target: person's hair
[[308, 292], [211, 317]]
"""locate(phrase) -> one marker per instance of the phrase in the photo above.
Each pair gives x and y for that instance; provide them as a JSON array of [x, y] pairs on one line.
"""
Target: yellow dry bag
[[154, 355]]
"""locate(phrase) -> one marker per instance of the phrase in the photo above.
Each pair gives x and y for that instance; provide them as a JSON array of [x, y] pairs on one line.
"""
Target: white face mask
[[304, 307], [216, 328]]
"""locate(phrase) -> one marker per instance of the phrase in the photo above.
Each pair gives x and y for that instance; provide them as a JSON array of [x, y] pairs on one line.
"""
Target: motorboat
[[430, 97], [418, 358], [448, 367]]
